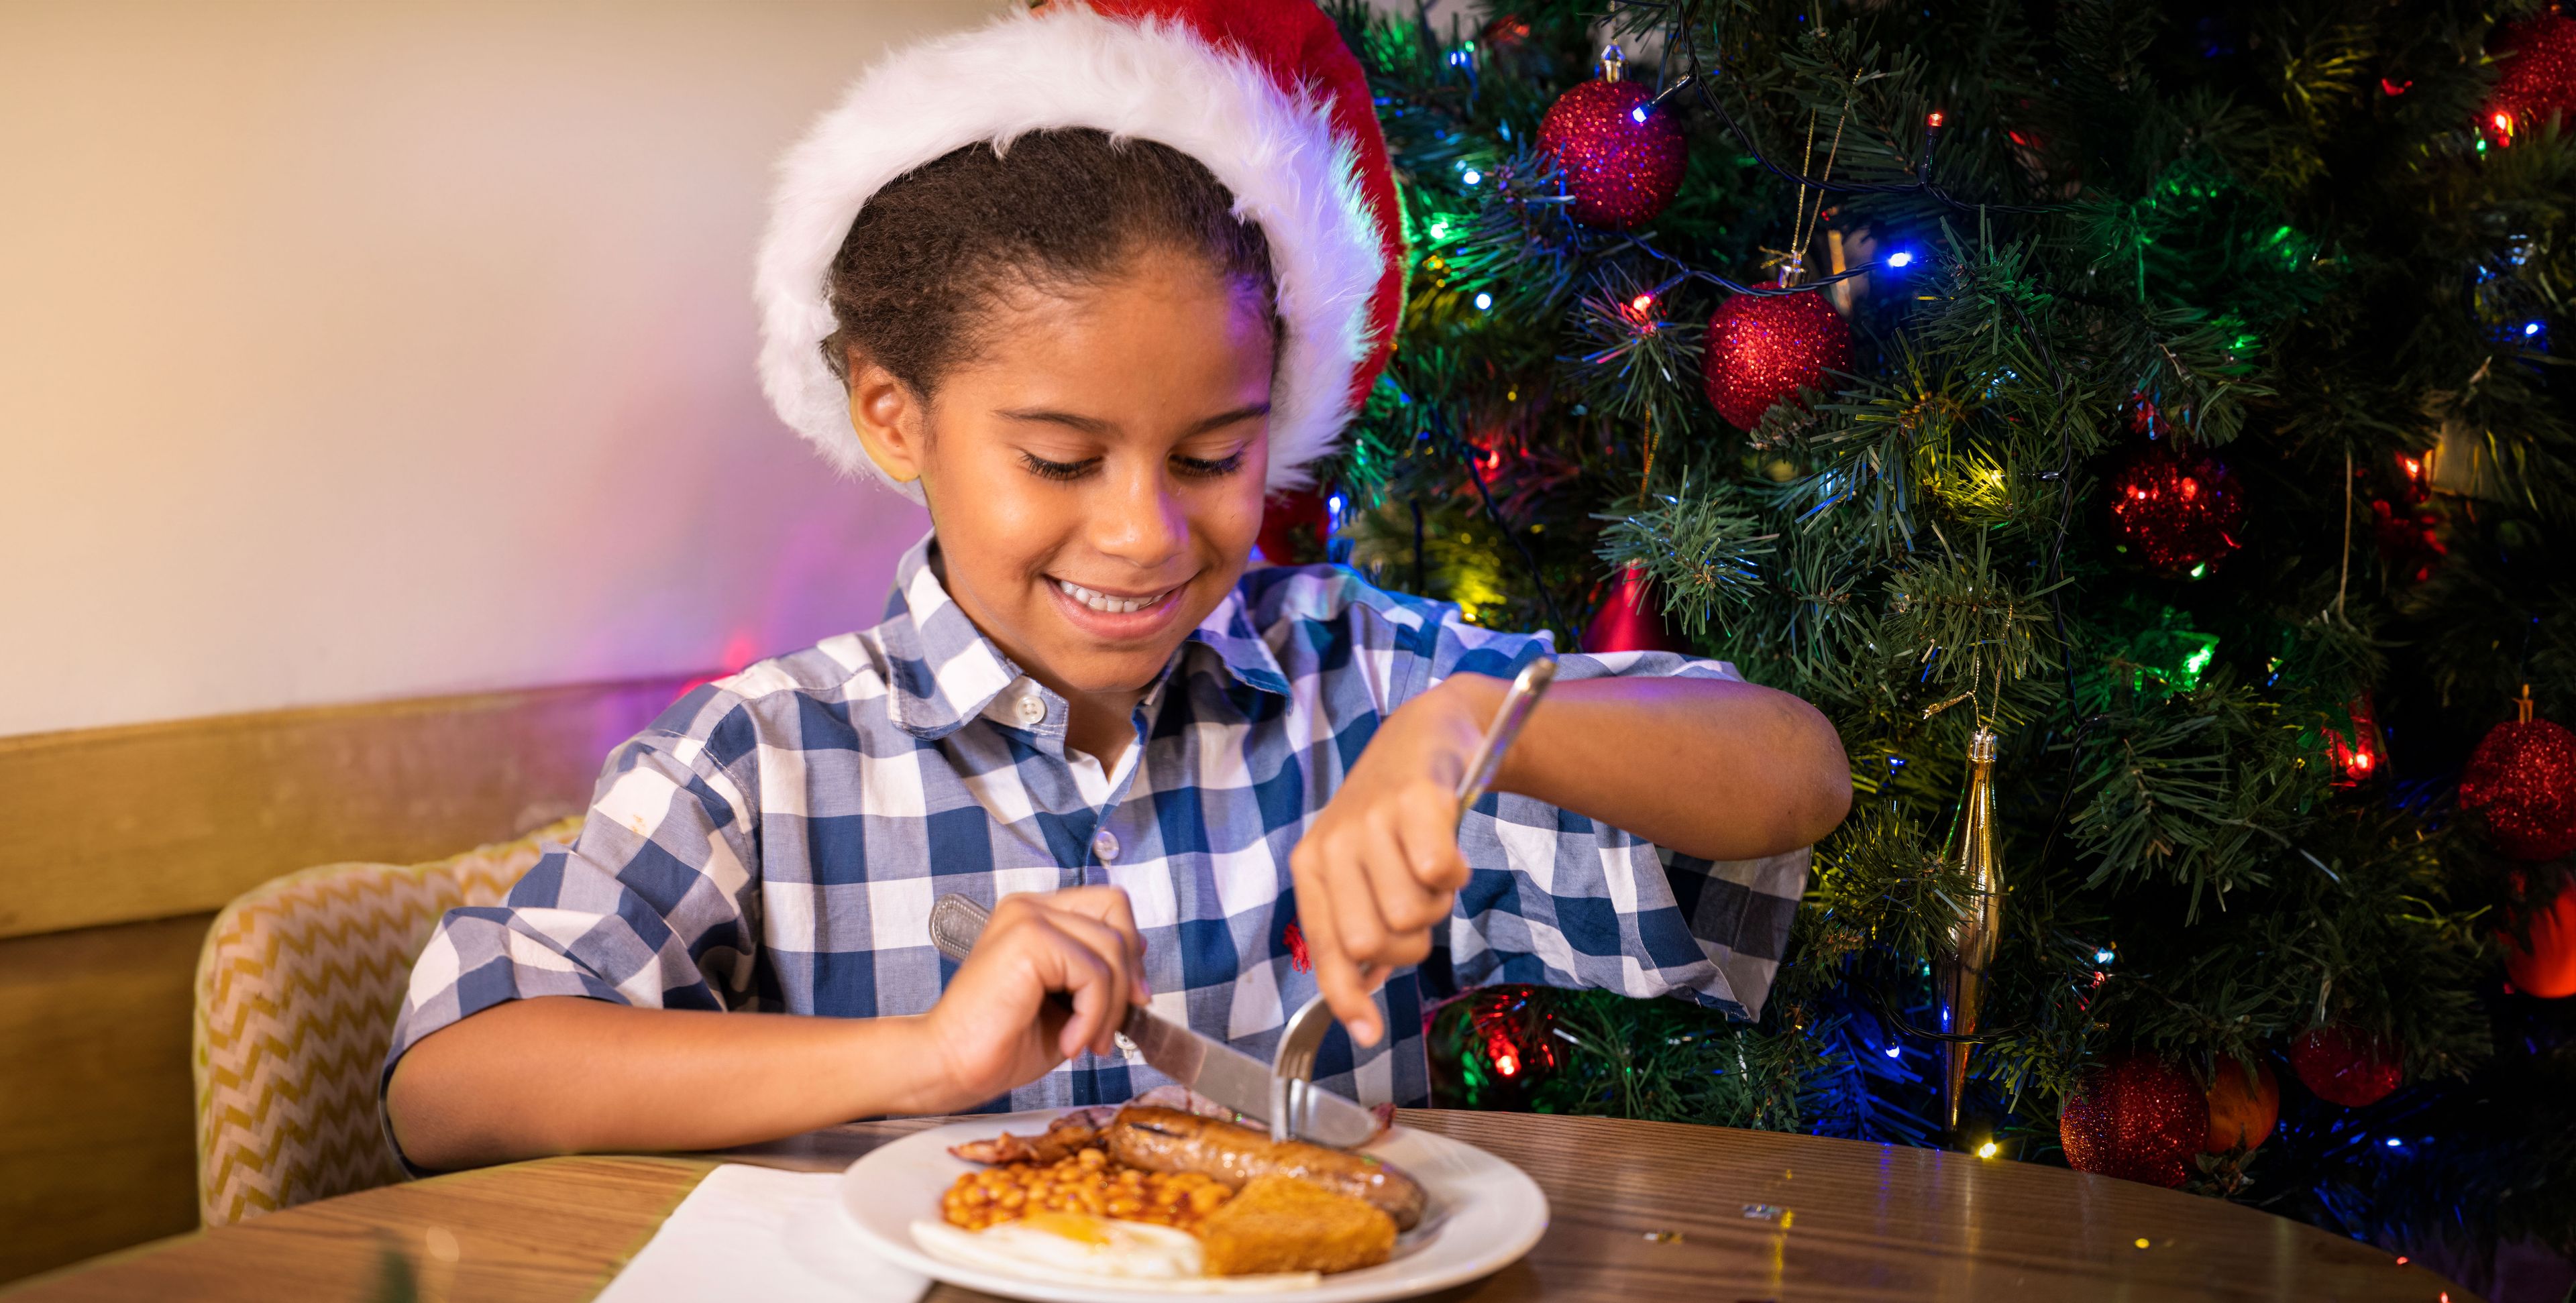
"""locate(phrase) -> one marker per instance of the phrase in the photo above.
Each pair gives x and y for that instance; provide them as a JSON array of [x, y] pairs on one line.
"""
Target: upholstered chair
[[297, 988]]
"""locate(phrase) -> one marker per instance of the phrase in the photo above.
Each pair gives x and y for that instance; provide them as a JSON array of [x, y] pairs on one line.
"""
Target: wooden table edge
[[833, 1149]]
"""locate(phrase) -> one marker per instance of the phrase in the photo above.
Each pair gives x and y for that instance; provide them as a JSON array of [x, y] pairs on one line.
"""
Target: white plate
[[1483, 1214]]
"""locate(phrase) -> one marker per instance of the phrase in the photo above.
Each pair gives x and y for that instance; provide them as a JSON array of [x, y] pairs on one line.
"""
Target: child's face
[[1111, 438]]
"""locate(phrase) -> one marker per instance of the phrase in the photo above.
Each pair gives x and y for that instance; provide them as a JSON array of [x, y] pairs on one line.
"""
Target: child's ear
[[891, 420]]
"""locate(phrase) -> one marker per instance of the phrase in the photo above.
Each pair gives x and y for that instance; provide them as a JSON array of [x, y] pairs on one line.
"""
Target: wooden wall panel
[[120, 825], [97, 1137], [116, 845]]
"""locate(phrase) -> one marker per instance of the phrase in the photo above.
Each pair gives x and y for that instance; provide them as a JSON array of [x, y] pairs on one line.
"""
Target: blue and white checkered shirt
[[775, 840]]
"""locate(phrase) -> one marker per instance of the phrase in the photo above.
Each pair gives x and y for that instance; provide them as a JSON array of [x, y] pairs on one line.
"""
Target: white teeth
[[1109, 605]]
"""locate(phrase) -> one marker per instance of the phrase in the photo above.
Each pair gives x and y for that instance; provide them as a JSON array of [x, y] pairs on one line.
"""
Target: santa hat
[[1261, 92]]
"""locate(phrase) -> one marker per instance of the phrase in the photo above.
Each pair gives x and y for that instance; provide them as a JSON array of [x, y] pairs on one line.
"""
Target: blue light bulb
[[2530, 328], [1901, 258], [1471, 176], [1895, 1052], [1484, 301], [2103, 956], [1638, 113]]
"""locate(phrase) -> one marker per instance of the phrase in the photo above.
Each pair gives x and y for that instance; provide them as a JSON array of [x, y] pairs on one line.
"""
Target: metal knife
[[1210, 1067]]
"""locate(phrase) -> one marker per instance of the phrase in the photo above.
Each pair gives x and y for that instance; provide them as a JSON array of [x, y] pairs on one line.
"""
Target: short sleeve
[[653, 904], [1560, 899]]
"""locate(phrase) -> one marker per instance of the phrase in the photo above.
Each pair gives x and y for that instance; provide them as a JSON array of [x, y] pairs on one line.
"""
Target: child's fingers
[[1402, 903], [1067, 963], [1337, 979], [1108, 904], [1351, 888], [1354, 970], [1111, 910], [1116, 954], [1345, 989], [1404, 866], [1427, 822]]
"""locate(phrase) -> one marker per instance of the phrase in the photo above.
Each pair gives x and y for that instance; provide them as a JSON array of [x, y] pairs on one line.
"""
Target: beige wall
[[362, 350]]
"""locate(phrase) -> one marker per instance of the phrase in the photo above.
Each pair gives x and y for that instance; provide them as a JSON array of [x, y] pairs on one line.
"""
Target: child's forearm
[[1716, 768], [562, 1075]]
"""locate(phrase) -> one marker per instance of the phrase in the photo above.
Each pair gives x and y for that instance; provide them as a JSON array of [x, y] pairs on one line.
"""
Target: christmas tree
[[2164, 392]]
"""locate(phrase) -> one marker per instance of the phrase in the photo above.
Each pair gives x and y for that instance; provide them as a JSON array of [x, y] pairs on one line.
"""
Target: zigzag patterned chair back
[[297, 988]]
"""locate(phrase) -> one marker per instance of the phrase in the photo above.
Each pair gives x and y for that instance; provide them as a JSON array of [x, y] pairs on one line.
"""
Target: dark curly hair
[[932, 251]]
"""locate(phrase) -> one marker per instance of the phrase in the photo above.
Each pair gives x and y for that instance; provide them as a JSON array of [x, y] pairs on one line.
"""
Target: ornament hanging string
[[1646, 481], [1803, 240], [1794, 261], [2344, 580]]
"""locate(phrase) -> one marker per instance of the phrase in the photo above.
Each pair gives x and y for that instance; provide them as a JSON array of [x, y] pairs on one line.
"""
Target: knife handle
[[955, 922]]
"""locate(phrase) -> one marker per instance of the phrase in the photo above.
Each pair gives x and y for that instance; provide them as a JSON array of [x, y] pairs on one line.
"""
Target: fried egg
[[1051, 1245]]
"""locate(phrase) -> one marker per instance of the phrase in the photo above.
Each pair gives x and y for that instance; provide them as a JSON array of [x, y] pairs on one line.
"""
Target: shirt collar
[[1229, 632], [945, 671]]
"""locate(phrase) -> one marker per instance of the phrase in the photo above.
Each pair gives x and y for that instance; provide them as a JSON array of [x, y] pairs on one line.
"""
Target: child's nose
[[1141, 520]]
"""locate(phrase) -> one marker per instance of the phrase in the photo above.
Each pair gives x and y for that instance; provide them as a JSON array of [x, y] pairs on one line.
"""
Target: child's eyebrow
[[1086, 424], [1224, 419], [1094, 425]]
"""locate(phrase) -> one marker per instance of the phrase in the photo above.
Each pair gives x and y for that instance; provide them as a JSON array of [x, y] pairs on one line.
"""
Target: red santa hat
[[1261, 92]]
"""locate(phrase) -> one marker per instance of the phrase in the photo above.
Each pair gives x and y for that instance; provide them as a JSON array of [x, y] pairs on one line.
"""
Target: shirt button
[[1032, 710], [1104, 844]]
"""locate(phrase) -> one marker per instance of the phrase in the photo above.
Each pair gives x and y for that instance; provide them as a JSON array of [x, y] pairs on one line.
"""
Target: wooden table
[[1643, 1212]]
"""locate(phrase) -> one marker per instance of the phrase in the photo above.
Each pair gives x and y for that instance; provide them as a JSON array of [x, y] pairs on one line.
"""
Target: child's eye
[[1210, 468], [1056, 470]]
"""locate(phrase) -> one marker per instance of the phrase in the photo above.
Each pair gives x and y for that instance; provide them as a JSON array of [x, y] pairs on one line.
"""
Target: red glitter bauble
[[2342, 1066], [1631, 618], [1763, 348], [2547, 967], [2242, 1107], [2176, 512], [2522, 778], [2137, 1118], [2536, 78], [1621, 157]]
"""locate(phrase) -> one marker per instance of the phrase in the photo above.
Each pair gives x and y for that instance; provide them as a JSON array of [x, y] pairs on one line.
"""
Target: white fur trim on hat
[[1065, 66]]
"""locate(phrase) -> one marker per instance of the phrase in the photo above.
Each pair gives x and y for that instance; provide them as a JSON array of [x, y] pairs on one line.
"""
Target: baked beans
[[1086, 1181]]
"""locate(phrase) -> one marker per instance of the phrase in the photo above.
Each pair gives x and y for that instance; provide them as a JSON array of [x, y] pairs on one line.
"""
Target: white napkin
[[761, 1233]]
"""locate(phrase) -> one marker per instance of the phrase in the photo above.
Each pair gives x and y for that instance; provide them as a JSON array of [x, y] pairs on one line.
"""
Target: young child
[[1091, 283]]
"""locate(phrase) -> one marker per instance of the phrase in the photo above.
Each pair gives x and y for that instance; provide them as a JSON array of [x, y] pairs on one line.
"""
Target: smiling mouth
[[1107, 604]]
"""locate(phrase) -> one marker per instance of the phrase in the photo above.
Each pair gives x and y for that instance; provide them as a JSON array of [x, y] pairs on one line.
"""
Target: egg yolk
[[1081, 1228]]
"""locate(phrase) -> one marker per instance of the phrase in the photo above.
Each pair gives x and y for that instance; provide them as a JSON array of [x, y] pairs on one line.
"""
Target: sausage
[[1168, 1140]]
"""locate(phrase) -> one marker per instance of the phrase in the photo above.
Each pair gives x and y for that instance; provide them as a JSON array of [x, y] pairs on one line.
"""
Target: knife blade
[[1210, 1067]]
